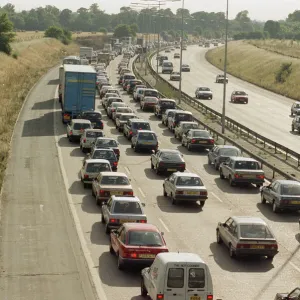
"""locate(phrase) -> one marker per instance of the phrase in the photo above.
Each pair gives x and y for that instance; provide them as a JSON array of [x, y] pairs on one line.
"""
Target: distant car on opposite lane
[[239, 97]]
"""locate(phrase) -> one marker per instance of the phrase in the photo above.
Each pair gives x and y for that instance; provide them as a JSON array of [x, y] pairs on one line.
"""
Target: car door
[[127, 126], [233, 234], [116, 238], [213, 153], [106, 210], [82, 170], [224, 231], [95, 184], [226, 167], [170, 184]]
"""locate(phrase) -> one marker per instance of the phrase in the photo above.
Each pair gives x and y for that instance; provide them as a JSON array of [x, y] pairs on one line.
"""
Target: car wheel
[[120, 264], [293, 128], [189, 147], [107, 229], [262, 198], [152, 167], [208, 160], [231, 251], [219, 239], [221, 174], [202, 203], [231, 181], [165, 193], [143, 288], [132, 145], [275, 208], [270, 257], [174, 202], [85, 185], [217, 166]]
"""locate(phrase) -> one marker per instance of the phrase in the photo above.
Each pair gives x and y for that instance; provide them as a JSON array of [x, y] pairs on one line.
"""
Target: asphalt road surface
[[186, 227], [266, 113]]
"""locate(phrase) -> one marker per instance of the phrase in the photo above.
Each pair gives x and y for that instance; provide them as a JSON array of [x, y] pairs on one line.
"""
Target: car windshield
[[127, 207], [147, 136], [297, 105], [189, 181], [151, 93], [255, 231], [169, 64], [201, 134], [204, 89], [94, 134], [98, 167], [290, 189], [184, 117], [106, 143], [117, 104], [246, 165], [79, 126], [229, 152], [141, 126], [240, 93], [167, 103], [92, 115], [189, 126], [150, 99], [115, 180], [144, 238], [171, 156], [125, 118], [104, 154]]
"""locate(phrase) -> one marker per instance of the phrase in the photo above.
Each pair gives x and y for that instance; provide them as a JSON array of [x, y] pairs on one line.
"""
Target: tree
[[273, 28], [65, 18], [58, 33], [6, 34], [134, 28], [103, 30], [294, 17], [122, 30]]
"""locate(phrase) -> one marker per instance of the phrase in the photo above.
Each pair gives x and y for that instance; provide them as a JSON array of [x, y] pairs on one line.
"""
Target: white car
[[88, 138], [203, 93], [119, 111], [76, 128], [112, 108], [183, 127], [148, 102]]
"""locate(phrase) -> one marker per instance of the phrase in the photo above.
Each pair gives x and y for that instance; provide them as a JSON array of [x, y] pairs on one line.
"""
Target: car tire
[[221, 174], [174, 202], [132, 146], [165, 193], [293, 128], [111, 249], [189, 147], [152, 166], [217, 166], [202, 203], [231, 251], [219, 239], [85, 185], [262, 198], [107, 229], [144, 291], [231, 182], [275, 208], [120, 264]]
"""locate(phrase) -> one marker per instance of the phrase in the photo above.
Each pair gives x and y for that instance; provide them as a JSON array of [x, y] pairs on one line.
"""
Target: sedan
[[108, 184], [136, 244], [148, 103], [197, 139], [88, 138], [120, 110], [185, 68], [175, 76], [221, 153], [144, 140], [119, 210], [94, 116], [185, 187], [112, 108], [239, 97], [108, 154], [176, 55], [247, 236], [282, 195], [203, 93], [107, 143]]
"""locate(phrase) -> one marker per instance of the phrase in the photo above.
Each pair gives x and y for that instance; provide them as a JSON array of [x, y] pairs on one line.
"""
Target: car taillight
[[104, 193], [238, 176], [71, 132], [260, 176], [210, 297], [142, 221], [117, 151], [212, 141], [133, 255], [193, 141], [160, 296], [130, 132], [112, 221], [84, 140], [179, 192], [161, 163], [284, 201], [242, 246], [115, 163], [86, 176], [112, 110], [204, 193], [128, 193]]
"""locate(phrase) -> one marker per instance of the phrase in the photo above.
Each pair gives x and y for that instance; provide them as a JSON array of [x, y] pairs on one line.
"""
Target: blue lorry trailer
[[78, 90]]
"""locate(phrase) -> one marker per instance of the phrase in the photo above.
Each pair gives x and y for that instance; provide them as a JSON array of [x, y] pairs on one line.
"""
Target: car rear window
[[124, 118], [144, 238], [115, 180], [201, 134], [151, 93], [290, 189], [141, 126], [167, 103], [98, 167], [189, 126], [106, 143], [255, 231], [229, 152], [147, 136], [196, 278], [189, 181], [130, 207], [79, 126], [124, 110], [103, 154], [118, 104], [171, 156], [175, 278], [92, 115], [183, 117], [93, 134], [168, 64], [247, 165]]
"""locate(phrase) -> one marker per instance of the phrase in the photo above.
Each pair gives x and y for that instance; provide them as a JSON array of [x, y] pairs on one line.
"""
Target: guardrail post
[[256, 139], [275, 148]]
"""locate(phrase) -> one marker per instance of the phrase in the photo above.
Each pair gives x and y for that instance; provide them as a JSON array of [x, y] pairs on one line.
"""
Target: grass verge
[[258, 66], [17, 76]]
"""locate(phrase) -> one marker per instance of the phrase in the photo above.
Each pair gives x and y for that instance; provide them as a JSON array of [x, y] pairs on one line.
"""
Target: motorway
[[266, 113], [186, 227]]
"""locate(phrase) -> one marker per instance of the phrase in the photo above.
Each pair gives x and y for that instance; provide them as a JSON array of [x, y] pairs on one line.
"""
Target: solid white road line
[[163, 224], [294, 266], [127, 170], [142, 193], [216, 197]]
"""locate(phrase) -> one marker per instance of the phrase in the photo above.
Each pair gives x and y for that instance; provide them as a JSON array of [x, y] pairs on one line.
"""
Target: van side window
[[175, 278], [196, 278]]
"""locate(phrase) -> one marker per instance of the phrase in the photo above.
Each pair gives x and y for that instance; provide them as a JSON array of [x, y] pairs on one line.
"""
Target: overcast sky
[[258, 9]]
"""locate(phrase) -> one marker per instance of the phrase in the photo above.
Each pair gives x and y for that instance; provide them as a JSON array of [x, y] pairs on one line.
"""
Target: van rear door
[[175, 282]]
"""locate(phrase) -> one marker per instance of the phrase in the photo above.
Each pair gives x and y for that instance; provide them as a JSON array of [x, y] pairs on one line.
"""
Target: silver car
[[108, 95], [183, 127], [119, 111], [112, 108], [295, 109], [76, 128], [88, 138], [221, 153], [91, 169], [174, 76], [144, 140], [185, 187], [120, 210], [122, 119]]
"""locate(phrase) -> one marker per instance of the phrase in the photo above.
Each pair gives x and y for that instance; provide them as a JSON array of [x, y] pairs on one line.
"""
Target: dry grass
[[258, 66], [285, 47], [17, 76]]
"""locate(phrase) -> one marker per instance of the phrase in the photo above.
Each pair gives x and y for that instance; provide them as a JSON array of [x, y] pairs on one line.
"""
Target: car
[[239, 96], [125, 71], [91, 169], [104, 153], [149, 93], [131, 85], [197, 139], [175, 76], [283, 195], [247, 236], [111, 100], [242, 170], [162, 105], [121, 110], [167, 114], [88, 138], [216, 44], [101, 85], [207, 45], [296, 124], [148, 103], [136, 244], [94, 116], [76, 128], [178, 116], [113, 91], [107, 96], [220, 79], [221, 153], [185, 68], [184, 48], [293, 295], [185, 187], [167, 51], [295, 109], [133, 125], [177, 47], [107, 143], [166, 160], [119, 210], [122, 119], [113, 106], [203, 93], [103, 89], [138, 86], [137, 94], [144, 140], [183, 127], [108, 184], [176, 55]]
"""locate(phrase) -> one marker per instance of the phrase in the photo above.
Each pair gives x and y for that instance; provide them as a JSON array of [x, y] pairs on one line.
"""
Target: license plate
[[171, 170], [202, 142], [147, 143], [146, 256], [295, 202], [191, 193], [127, 221], [257, 247], [195, 298], [116, 193]]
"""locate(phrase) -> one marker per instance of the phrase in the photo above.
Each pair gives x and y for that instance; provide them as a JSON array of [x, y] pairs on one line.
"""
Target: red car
[[239, 96], [136, 244]]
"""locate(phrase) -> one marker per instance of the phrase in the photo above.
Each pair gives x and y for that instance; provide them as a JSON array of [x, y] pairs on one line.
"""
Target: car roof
[[104, 149], [127, 199], [227, 146], [146, 131], [285, 181], [170, 150], [139, 120], [81, 121], [248, 220], [93, 130], [140, 226], [167, 99], [181, 174], [98, 160], [113, 174], [188, 122], [175, 257], [184, 112], [242, 158]]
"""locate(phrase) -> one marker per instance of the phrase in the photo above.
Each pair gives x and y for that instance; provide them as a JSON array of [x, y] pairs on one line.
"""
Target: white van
[[167, 67], [177, 276]]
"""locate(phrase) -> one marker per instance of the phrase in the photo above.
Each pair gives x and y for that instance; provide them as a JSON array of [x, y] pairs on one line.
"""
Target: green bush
[[65, 36], [283, 73], [15, 55]]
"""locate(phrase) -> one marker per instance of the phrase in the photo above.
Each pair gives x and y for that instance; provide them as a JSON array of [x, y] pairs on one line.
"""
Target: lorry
[[104, 58], [86, 52], [78, 90], [107, 48]]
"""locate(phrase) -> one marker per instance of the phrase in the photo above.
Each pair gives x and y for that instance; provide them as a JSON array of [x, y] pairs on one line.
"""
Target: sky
[[261, 10]]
